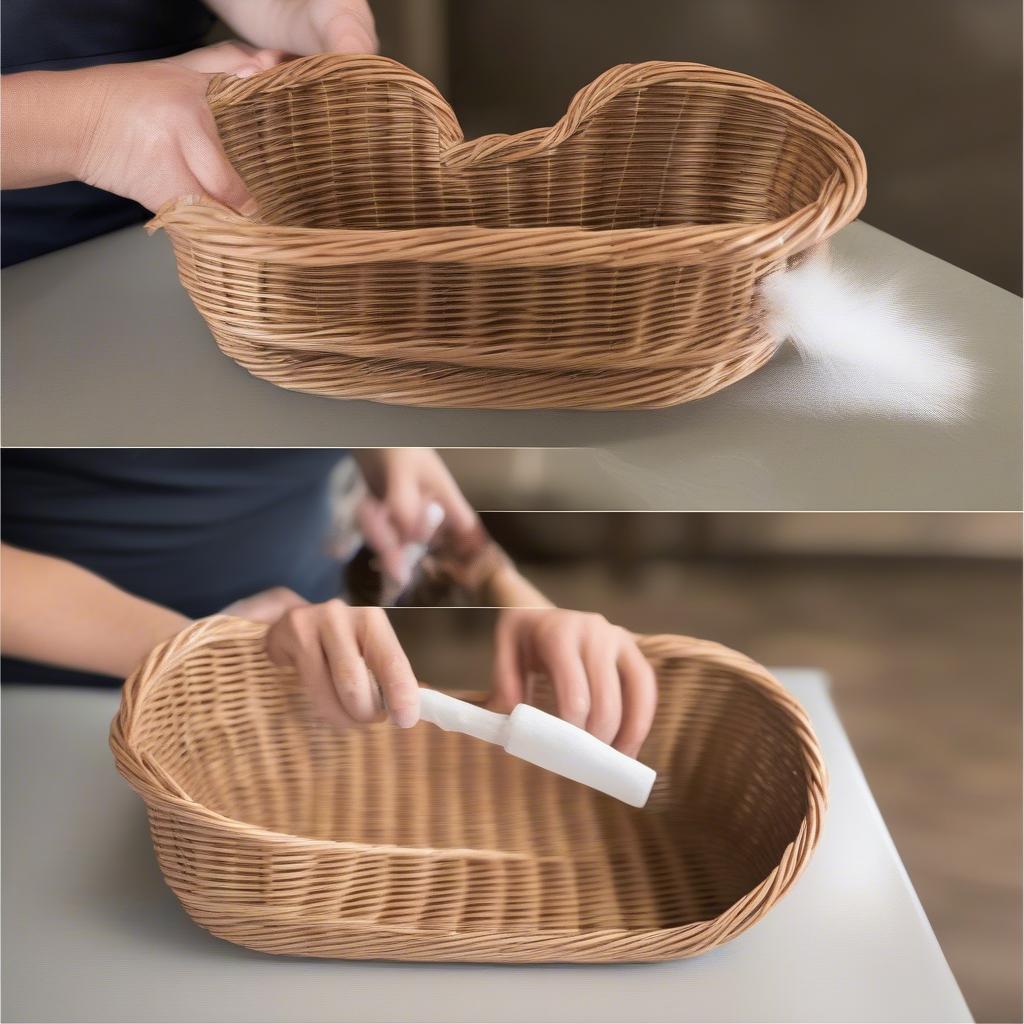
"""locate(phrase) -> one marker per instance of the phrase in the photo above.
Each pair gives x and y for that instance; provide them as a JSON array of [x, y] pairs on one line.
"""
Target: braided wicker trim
[[840, 200]]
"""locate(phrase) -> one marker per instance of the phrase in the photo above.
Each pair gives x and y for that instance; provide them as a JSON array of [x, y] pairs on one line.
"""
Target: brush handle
[[557, 746], [546, 741], [454, 715]]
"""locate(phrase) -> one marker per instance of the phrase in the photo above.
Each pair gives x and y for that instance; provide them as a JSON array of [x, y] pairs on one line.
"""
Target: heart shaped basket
[[278, 833], [609, 261]]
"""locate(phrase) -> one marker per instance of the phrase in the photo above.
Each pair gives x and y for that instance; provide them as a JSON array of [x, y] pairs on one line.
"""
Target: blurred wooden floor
[[925, 659]]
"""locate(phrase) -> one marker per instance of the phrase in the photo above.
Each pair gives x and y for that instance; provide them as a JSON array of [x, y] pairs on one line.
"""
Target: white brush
[[546, 741], [861, 350]]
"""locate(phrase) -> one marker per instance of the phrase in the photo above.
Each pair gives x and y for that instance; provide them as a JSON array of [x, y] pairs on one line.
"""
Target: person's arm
[[46, 115], [59, 613], [143, 129]]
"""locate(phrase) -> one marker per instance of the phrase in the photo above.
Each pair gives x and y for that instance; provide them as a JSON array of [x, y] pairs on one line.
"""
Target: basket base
[[351, 942], [442, 385]]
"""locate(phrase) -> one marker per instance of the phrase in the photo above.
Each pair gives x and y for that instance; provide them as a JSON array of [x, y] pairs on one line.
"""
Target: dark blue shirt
[[190, 529], [61, 35]]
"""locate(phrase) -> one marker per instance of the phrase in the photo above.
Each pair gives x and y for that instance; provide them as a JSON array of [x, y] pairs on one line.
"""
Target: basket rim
[[156, 786], [841, 198]]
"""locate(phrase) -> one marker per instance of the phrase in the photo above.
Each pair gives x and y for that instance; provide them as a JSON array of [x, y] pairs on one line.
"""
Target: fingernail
[[405, 718], [249, 208], [435, 517], [247, 71]]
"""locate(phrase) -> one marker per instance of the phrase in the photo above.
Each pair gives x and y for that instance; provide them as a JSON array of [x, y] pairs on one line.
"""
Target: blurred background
[[930, 88], [915, 617]]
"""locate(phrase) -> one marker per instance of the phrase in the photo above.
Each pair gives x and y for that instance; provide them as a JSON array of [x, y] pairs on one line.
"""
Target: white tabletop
[[102, 346], [92, 934]]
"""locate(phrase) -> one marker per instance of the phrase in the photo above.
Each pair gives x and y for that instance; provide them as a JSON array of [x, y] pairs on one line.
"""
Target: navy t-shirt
[[190, 529], [62, 35]]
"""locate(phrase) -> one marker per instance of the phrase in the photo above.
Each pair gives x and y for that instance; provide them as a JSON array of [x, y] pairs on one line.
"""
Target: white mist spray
[[862, 350]]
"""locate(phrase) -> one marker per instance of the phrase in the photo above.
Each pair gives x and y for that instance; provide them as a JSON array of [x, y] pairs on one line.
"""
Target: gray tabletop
[[92, 934], [101, 346]]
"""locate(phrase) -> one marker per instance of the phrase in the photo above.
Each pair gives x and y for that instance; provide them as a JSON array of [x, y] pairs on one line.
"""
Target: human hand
[[341, 654], [148, 133], [602, 681], [302, 26], [404, 483]]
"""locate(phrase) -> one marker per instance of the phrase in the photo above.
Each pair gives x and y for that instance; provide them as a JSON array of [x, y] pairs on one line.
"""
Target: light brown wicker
[[278, 833], [609, 261]]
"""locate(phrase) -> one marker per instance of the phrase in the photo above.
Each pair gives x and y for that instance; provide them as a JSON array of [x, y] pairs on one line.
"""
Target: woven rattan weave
[[278, 833], [609, 261]]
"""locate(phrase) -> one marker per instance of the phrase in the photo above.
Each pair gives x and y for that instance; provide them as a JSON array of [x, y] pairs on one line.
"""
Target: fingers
[[208, 169], [559, 650], [350, 28], [209, 163], [639, 698], [350, 676], [408, 481], [408, 487], [390, 667], [507, 684], [295, 641], [599, 659], [188, 159], [338, 652], [601, 679], [315, 673]]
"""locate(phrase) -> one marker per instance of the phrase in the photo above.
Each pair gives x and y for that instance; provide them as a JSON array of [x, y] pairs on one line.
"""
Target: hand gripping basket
[[609, 261], [280, 834]]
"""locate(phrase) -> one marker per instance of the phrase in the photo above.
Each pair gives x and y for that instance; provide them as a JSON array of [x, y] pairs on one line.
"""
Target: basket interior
[[376, 151], [492, 842]]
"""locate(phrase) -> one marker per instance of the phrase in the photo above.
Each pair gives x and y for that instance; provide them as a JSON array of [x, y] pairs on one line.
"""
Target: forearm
[[58, 613], [47, 117]]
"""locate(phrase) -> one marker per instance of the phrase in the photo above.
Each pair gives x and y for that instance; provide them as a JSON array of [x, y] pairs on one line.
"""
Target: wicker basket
[[280, 834], [609, 261]]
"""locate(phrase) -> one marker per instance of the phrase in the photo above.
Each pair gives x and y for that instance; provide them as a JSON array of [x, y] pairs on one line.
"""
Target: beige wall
[[523, 479], [973, 535]]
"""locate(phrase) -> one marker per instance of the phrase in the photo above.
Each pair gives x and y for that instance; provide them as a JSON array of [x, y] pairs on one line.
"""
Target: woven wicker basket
[[609, 261], [278, 833]]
